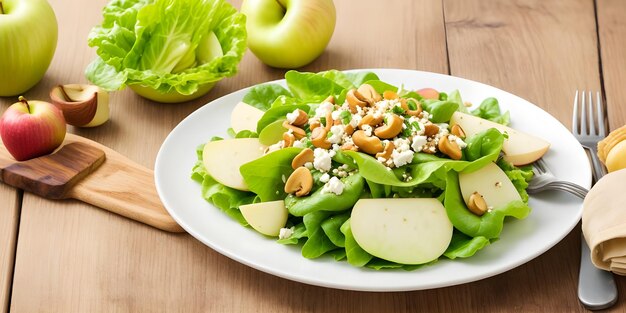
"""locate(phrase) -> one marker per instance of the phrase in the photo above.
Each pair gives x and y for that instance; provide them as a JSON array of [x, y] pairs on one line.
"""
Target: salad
[[346, 165]]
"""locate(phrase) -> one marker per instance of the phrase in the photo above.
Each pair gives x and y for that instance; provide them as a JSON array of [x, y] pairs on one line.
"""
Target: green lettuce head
[[167, 50]]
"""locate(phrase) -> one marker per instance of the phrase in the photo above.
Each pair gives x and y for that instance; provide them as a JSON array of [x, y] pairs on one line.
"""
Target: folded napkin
[[604, 222]]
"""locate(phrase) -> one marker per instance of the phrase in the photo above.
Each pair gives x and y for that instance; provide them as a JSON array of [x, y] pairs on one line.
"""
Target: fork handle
[[598, 167], [596, 288]]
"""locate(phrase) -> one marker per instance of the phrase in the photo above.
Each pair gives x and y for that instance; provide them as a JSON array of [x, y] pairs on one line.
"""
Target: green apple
[[288, 33], [266, 217], [223, 158], [491, 183], [519, 148], [272, 133], [245, 117], [407, 231], [28, 39], [32, 128]]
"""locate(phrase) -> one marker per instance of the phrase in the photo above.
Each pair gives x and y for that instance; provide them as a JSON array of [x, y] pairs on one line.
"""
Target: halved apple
[[245, 117], [407, 231], [519, 149], [266, 217], [492, 183], [223, 158]]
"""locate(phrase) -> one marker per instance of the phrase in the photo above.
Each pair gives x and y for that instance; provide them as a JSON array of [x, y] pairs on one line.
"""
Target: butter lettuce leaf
[[463, 246], [489, 109], [311, 87], [519, 176], [317, 243], [161, 44], [490, 224], [266, 175], [263, 96]]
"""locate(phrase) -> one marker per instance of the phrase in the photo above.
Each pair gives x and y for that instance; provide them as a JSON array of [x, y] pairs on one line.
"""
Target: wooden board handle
[[52, 176], [124, 187], [128, 190], [86, 170]]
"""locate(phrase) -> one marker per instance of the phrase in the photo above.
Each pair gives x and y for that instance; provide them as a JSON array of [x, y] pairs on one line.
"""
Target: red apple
[[428, 93], [32, 128]]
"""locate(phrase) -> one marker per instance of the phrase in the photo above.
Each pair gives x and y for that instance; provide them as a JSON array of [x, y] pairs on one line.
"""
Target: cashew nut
[[386, 154], [477, 204], [298, 132], [371, 120], [430, 130], [299, 182], [390, 95], [368, 94], [329, 121], [330, 99], [319, 139], [302, 158], [391, 129], [314, 125], [349, 129], [449, 148], [301, 119], [288, 139], [370, 145], [405, 105], [349, 146], [354, 101], [457, 131]]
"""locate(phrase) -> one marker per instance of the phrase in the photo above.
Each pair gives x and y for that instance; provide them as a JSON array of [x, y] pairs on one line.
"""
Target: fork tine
[[575, 115], [600, 113], [541, 164], [592, 118], [583, 115]]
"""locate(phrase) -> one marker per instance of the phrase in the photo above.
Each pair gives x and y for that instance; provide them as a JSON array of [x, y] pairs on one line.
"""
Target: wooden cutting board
[[93, 173]]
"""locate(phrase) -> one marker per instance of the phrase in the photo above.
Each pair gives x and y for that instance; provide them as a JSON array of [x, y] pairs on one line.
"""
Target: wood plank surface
[[9, 219], [76, 258], [542, 51], [72, 257], [612, 33]]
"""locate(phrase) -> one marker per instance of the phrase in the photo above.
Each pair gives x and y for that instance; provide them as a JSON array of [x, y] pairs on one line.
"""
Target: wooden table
[[66, 256]]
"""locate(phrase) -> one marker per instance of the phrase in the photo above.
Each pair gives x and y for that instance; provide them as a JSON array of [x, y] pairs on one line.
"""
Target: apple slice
[[519, 149], [245, 117], [272, 133], [266, 217], [407, 231], [223, 158], [492, 183]]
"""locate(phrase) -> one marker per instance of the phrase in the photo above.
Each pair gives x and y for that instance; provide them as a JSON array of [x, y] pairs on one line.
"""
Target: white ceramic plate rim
[[554, 214]]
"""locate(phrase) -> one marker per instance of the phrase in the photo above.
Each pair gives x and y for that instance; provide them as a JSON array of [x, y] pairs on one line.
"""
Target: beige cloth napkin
[[604, 222]]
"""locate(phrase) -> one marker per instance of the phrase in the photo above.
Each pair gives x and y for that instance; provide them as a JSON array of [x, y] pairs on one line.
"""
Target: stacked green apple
[[310, 165], [167, 50], [28, 40], [288, 34]]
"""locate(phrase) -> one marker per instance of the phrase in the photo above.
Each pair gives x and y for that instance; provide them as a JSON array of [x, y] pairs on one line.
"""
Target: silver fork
[[545, 180], [596, 288], [584, 128]]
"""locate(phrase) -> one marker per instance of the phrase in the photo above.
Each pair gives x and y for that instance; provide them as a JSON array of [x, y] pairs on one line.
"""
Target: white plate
[[554, 215]]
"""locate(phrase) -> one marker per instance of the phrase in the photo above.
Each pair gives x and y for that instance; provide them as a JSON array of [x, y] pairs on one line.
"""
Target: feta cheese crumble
[[285, 233], [291, 117], [322, 159], [334, 185]]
